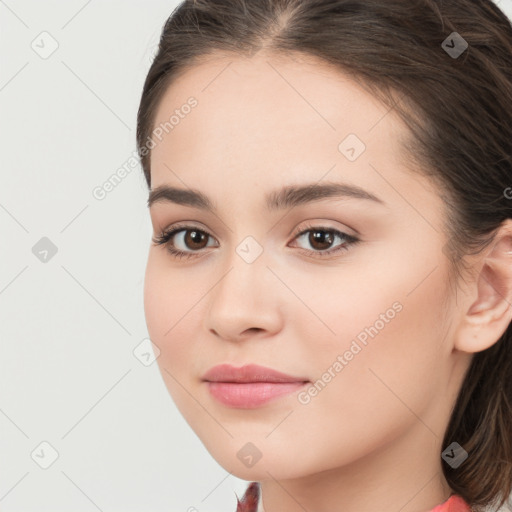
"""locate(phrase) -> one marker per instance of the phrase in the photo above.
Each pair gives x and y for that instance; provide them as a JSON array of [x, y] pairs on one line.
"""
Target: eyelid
[[322, 224], [185, 225]]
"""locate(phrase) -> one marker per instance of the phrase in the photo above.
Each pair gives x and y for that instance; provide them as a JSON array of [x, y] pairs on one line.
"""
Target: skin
[[371, 438]]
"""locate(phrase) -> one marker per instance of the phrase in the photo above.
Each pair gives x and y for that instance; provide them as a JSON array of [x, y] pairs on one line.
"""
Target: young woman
[[330, 279]]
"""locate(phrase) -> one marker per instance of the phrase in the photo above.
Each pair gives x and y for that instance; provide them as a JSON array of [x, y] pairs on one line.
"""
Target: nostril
[[254, 329]]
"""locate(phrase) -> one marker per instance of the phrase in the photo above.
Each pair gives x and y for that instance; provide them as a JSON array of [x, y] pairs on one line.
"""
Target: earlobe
[[490, 314]]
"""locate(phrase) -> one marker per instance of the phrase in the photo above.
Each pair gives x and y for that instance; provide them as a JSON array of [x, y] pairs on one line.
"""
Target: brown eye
[[320, 239], [183, 241], [194, 239]]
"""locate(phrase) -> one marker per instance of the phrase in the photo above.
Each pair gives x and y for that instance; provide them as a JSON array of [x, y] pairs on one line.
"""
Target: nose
[[245, 301]]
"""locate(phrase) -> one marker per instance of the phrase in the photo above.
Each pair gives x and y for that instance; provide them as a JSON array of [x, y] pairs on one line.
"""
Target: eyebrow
[[286, 197]]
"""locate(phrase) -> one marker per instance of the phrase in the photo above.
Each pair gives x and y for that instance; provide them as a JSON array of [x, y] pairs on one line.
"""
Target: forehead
[[268, 118], [295, 94]]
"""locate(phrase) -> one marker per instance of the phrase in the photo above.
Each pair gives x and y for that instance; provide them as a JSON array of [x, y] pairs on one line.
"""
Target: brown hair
[[459, 112]]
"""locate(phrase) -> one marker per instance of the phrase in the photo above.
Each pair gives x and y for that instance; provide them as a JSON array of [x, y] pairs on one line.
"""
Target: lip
[[249, 386], [248, 373]]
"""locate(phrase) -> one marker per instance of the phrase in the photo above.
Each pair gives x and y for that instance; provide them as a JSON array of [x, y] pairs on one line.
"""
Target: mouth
[[251, 385]]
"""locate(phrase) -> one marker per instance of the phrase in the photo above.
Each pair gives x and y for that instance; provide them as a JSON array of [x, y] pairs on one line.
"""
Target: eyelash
[[165, 238]]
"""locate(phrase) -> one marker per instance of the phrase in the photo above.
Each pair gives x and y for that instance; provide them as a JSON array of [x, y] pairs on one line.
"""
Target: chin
[[269, 465]]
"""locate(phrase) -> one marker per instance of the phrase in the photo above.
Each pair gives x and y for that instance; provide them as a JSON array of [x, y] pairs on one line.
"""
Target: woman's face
[[366, 323]]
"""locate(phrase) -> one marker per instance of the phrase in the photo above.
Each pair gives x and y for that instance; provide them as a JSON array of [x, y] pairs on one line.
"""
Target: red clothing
[[250, 499]]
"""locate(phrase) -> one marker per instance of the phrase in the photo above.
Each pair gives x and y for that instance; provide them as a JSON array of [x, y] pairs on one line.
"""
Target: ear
[[489, 315]]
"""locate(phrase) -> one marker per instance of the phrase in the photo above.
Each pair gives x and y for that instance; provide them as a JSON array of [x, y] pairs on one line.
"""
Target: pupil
[[195, 235], [319, 236]]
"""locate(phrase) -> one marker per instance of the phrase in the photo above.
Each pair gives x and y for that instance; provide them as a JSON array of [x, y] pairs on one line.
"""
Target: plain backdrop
[[86, 422]]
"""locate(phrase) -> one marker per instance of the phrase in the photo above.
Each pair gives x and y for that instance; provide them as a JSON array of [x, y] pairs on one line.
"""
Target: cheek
[[156, 301], [164, 307], [381, 346], [174, 316]]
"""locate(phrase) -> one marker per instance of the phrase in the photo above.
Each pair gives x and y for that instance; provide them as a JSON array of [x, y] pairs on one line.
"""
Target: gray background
[[72, 368]]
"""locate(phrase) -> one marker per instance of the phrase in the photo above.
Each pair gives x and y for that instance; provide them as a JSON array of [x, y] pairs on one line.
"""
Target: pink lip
[[249, 386], [248, 373]]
